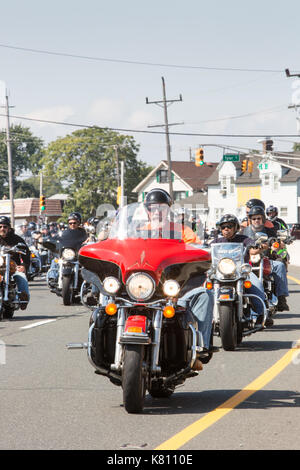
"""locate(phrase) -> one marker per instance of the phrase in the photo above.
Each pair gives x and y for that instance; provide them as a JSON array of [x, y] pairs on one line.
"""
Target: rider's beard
[[258, 228]]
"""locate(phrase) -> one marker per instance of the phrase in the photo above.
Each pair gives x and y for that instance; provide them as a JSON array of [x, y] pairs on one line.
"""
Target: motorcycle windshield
[[155, 222], [234, 251], [72, 239]]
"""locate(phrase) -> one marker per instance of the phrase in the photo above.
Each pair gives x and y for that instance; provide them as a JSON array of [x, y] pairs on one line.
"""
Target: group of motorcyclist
[[158, 205]]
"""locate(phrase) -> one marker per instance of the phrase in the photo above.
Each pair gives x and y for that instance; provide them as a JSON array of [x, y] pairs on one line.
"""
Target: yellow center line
[[208, 420], [293, 279], [197, 427]]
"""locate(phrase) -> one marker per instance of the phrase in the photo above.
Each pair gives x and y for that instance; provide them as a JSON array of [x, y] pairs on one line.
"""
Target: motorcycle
[[262, 264], [67, 280], [35, 267], [139, 337], [9, 294], [278, 246], [229, 278]]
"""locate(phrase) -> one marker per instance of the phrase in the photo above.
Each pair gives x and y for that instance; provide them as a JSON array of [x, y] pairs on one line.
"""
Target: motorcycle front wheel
[[228, 326], [67, 291], [133, 378]]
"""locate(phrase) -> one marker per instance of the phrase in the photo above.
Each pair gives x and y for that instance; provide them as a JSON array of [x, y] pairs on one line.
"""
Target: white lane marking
[[33, 325]]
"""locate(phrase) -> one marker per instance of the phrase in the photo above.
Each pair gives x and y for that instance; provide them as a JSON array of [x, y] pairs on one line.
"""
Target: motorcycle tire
[[158, 390], [133, 379], [67, 291], [8, 312], [228, 327]]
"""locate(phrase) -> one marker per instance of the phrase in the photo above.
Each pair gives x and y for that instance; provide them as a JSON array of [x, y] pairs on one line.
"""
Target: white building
[[187, 179], [229, 189]]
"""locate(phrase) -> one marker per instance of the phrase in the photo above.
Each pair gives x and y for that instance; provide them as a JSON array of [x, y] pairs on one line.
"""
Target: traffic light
[[42, 203], [250, 166], [199, 157], [244, 166]]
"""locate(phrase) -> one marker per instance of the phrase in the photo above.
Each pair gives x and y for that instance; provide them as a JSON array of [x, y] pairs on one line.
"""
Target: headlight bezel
[[171, 288], [68, 254], [113, 281], [139, 276], [224, 267]]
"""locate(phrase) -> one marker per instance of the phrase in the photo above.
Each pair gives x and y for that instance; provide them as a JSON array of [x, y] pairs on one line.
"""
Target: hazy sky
[[200, 38]]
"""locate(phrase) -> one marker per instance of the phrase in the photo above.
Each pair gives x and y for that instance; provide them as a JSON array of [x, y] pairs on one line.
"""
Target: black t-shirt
[[12, 240]]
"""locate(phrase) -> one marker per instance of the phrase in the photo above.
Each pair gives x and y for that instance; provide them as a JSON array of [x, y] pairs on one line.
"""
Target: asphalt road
[[52, 399]]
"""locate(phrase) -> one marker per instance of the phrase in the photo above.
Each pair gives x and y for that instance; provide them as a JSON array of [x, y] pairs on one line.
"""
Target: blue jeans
[[256, 289], [280, 279], [22, 283], [201, 303]]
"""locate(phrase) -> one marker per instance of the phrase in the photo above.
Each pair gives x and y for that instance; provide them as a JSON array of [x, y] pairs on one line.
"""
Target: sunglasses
[[73, 223], [4, 226], [256, 218], [227, 226]]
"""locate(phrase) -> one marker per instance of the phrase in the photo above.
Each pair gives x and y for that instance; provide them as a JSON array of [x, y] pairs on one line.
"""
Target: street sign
[[263, 166], [229, 157]]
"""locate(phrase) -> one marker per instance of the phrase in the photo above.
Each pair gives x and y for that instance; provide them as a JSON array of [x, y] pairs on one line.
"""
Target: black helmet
[[257, 210], [75, 216], [158, 196], [255, 202], [272, 209], [229, 218], [32, 226], [4, 220]]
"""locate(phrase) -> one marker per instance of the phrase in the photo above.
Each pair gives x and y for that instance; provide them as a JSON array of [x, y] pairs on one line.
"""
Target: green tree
[[30, 187], [85, 162], [26, 150]]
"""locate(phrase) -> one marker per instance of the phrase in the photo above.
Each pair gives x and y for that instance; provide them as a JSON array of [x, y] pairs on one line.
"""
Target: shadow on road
[[204, 402]]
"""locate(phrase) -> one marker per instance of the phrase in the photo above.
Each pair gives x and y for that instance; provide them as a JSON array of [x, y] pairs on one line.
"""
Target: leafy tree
[[30, 187], [85, 161], [26, 150]]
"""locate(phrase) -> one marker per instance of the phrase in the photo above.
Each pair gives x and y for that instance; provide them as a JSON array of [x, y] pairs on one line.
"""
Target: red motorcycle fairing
[[150, 255]]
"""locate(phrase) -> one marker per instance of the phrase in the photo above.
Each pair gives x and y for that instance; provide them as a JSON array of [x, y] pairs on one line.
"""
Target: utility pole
[[9, 165], [296, 100], [166, 125]]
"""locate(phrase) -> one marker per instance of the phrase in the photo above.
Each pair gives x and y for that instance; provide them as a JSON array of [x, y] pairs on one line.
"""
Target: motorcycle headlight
[[2, 261], [68, 254], [171, 288], [111, 285], [140, 286], [227, 266]]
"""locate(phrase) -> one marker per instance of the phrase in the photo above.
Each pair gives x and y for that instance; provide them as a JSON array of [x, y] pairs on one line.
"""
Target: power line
[[135, 62], [191, 134]]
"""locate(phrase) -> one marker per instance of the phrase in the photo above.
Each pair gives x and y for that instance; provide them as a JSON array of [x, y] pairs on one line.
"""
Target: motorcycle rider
[[229, 226], [74, 234], [10, 239], [272, 213], [257, 220], [249, 204], [198, 298]]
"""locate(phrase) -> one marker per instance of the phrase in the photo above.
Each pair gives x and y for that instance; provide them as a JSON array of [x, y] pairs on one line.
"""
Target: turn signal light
[[169, 311], [247, 284], [209, 285], [275, 245], [111, 309]]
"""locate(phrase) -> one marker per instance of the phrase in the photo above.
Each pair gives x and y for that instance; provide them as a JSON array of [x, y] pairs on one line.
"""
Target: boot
[[282, 305]]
